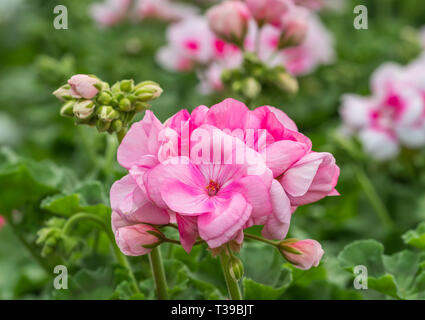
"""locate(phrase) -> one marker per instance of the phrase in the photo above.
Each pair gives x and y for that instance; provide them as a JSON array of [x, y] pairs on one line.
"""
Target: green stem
[[374, 198], [254, 237], [158, 274], [232, 284], [121, 135], [122, 259]]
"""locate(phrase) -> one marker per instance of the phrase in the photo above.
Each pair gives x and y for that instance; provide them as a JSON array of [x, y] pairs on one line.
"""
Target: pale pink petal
[[178, 168], [279, 156], [141, 140], [277, 224], [188, 229], [218, 227], [297, 180]]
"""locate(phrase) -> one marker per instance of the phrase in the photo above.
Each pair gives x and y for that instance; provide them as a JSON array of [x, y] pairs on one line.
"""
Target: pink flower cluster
[[280, 32], [393, 115], [111, 12], [215, 172]]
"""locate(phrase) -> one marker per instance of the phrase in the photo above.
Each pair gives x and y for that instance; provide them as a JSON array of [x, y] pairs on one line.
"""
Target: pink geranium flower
[[216, 171]]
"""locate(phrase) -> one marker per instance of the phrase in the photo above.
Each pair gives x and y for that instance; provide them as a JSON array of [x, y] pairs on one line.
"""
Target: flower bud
[[287, 83], [83, 109], [104, 98], [116, 126], [229, 20], [303, 254], [107, 113], [268, 11], [67, 109], [63, 93], [251, 88], [127, 85], [138, 239], [235, 268], [102, 126], [148, 87], [294, 27], [125, 105], [83, 86]]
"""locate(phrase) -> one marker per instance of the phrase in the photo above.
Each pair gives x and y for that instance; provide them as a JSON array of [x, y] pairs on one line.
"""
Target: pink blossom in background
[[394, 114], [190, 42], [311, 253], [192, 46], [229, 20], [311, 4], [317, 49], [216, 171], [2, 222], [110, 12], [268, 11], [163, 10]]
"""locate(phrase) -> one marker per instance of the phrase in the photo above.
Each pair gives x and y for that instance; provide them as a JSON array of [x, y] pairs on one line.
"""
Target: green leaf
[[28, 181], [265, 280], [88, 197], [416, 237], [393, 275]]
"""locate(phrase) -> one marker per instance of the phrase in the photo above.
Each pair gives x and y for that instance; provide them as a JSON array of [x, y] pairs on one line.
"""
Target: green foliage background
[[51, 169]]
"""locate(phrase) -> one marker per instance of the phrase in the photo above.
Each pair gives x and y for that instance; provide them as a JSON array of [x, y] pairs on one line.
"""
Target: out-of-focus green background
[[35, 59]]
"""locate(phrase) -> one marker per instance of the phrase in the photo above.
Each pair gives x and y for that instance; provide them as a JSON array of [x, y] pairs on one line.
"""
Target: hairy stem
[[232, 284], [374, 198], [121, 258], [254, 237], [158, 274]]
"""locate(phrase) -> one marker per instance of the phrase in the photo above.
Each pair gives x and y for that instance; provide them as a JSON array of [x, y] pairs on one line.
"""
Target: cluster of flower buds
[[253, 75], [52, 236], [93, 102]]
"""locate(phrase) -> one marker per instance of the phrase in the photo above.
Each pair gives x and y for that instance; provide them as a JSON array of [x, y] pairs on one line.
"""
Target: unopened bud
[[107, 113], [235, 268], [102, 126], [287, 83], [127, 85], [116, 126], [63, 93], [125, 105], [83, 109], [149, 87], [251, 88], [104, 98], [303, 254], [67, 109]]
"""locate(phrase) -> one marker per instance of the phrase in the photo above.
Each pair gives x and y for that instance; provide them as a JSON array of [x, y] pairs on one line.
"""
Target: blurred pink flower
[[310, 253], [82, 86], [268, 11], [393, 115], [163, 10], [2, 222], [190, 42], [109, 12], [229, 20]]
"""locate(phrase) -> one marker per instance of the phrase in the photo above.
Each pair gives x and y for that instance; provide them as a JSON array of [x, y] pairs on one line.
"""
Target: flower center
[[212, 188]]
